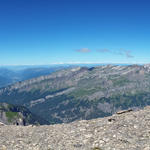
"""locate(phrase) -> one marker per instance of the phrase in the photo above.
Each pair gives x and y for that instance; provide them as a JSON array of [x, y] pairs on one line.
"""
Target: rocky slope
[[82, 93], [122, 131], [18, 115]]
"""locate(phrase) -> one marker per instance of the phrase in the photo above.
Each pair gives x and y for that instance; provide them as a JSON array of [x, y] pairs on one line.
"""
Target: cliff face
[[18, 115], [127, 130]]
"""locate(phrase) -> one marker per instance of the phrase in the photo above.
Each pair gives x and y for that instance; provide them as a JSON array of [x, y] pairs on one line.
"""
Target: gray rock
[[127, 131]]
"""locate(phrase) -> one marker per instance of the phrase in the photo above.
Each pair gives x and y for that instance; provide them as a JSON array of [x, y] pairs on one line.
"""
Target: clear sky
[[62, 31]]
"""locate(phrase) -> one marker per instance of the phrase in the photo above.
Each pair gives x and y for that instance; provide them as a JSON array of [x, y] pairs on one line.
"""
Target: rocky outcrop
[[126, 131], [18, 115], [2, 124]]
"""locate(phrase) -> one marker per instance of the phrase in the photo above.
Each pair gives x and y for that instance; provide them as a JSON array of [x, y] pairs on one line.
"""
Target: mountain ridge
[[82, 93], [11, 75]]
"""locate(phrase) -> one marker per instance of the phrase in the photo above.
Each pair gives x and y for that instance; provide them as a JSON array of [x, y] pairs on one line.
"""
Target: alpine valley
[[81, 92]]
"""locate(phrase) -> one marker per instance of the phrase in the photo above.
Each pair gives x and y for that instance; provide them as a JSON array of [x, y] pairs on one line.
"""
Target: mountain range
[[82, 92], [11, 75]]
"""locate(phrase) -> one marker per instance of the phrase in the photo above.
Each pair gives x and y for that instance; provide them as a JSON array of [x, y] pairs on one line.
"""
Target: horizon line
[[74, 63]]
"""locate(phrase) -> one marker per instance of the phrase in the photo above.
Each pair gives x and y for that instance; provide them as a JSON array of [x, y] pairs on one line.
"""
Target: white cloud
[[83, 50]]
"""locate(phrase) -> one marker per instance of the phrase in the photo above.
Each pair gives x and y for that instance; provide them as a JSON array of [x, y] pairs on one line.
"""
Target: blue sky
[[62, 31]]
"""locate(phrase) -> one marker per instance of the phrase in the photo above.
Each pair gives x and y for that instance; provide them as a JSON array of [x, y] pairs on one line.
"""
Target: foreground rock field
[[124, 131]]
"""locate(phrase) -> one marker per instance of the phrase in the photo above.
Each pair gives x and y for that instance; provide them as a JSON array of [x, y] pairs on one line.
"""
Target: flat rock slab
[[124, 111], [127, 131]]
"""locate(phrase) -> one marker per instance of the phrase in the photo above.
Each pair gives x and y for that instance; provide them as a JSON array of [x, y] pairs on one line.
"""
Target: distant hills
[[82, 93], [10, 74]]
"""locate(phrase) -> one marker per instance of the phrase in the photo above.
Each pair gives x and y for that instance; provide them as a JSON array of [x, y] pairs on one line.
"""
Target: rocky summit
[[126, 130]]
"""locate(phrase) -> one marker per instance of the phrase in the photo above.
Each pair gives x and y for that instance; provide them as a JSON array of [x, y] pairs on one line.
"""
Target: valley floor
[[127, 131]]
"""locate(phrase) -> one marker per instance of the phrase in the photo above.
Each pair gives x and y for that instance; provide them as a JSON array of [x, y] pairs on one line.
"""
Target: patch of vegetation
[[11, 115], [128, 100], [120, 81], [86, 91], [82, 92]]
